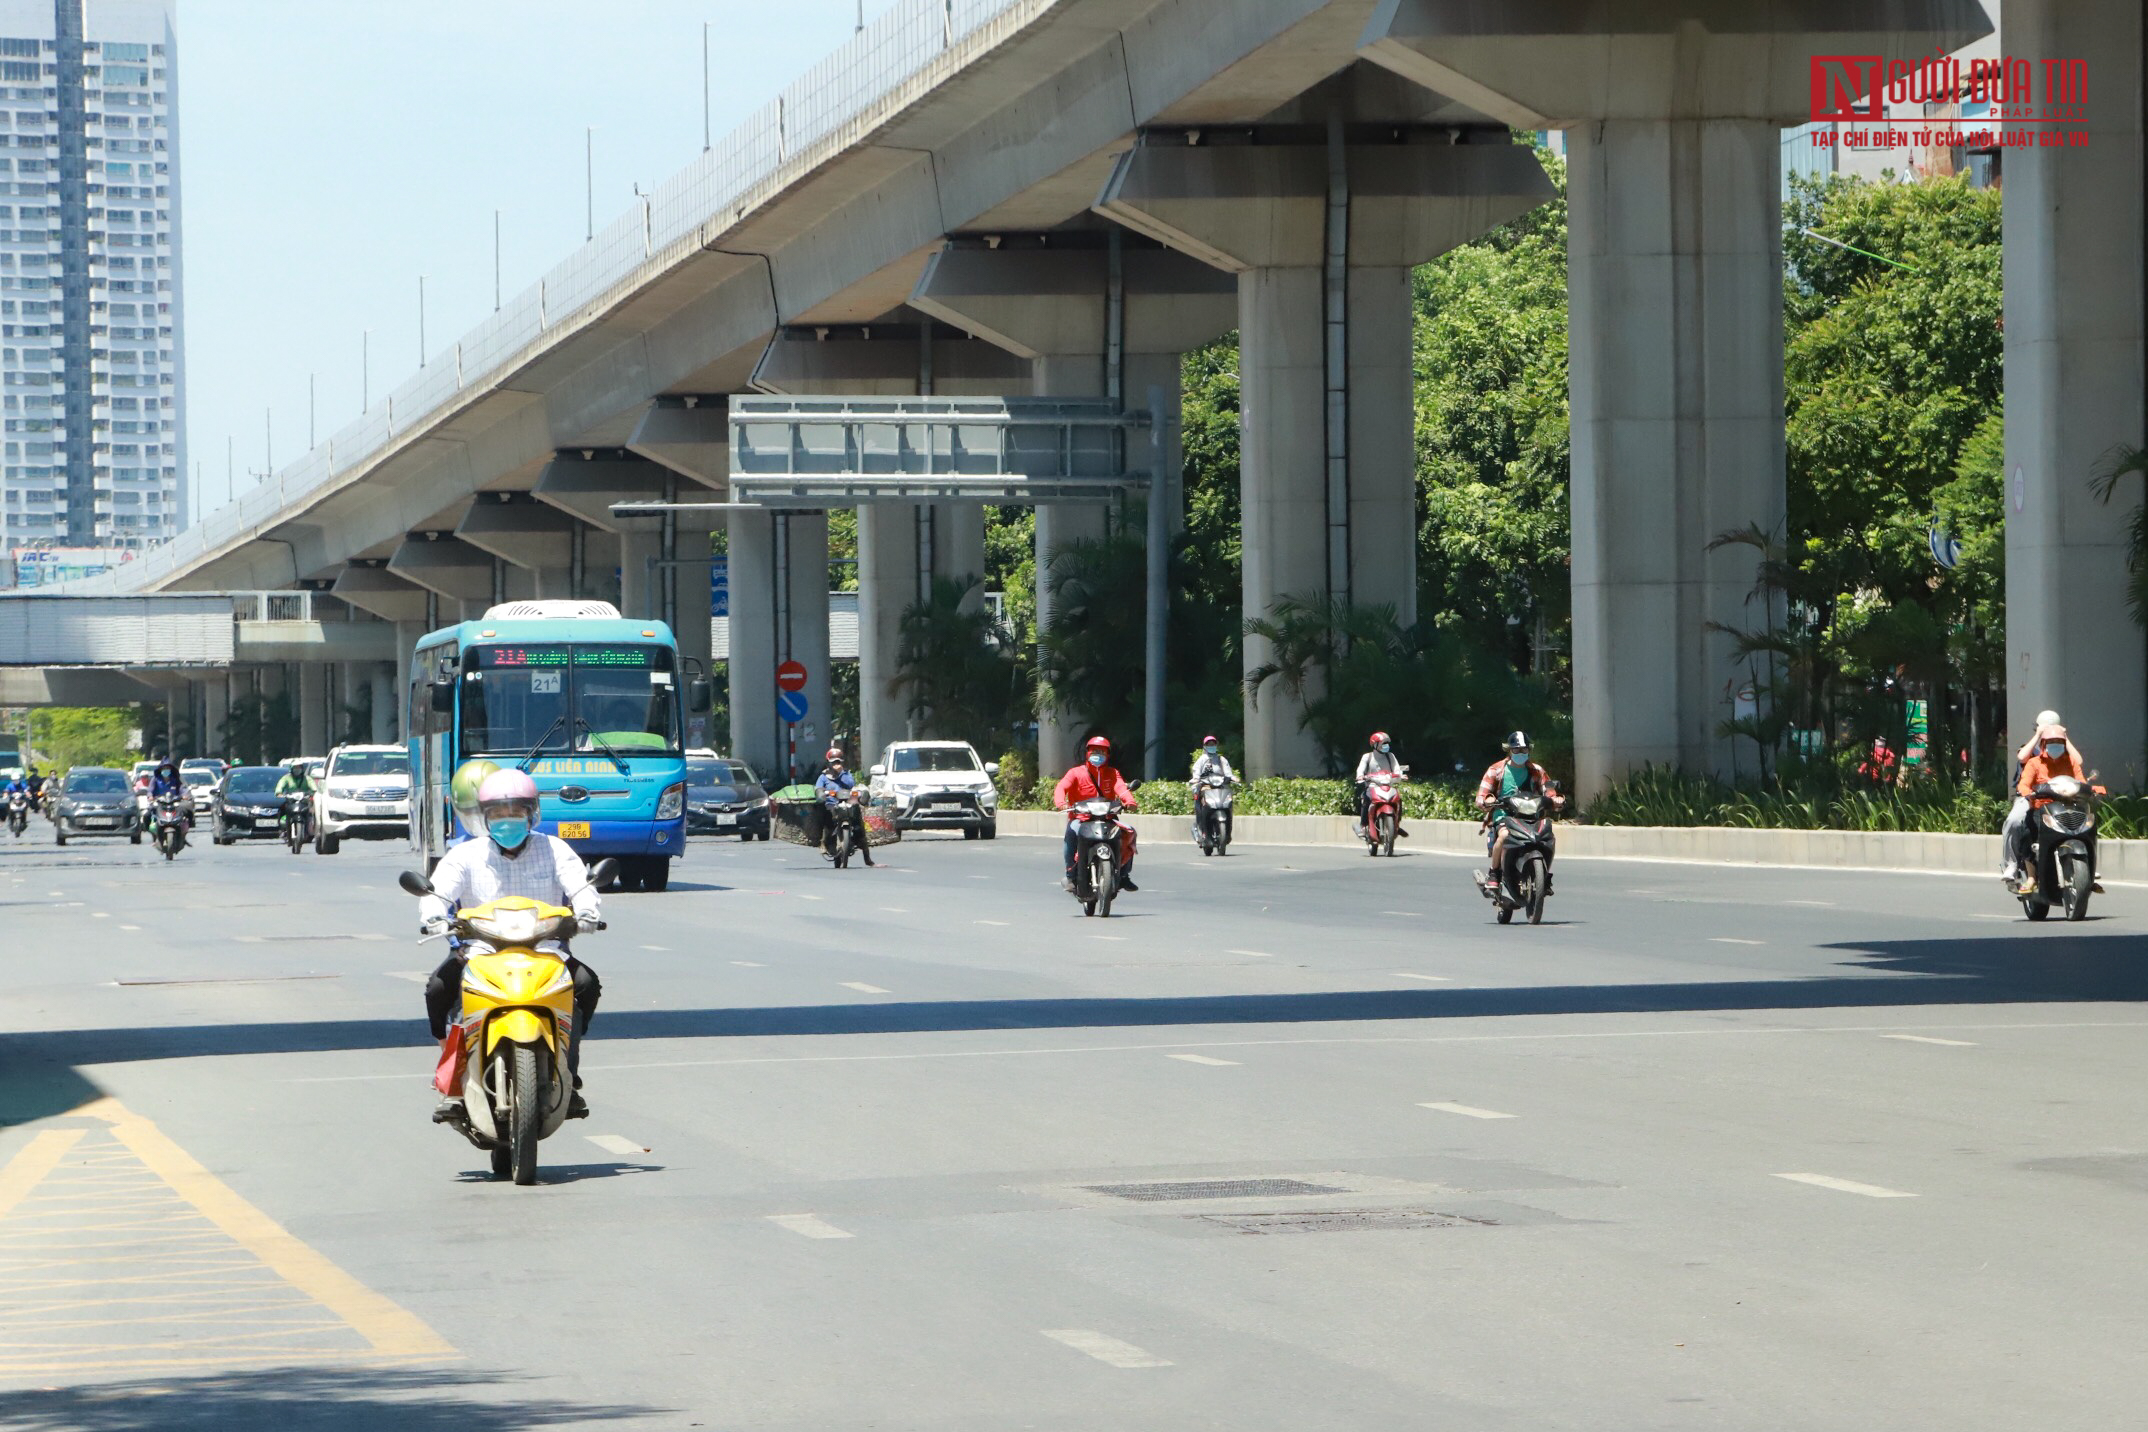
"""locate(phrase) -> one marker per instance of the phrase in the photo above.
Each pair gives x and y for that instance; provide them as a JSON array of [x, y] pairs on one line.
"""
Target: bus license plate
[[574, 830]]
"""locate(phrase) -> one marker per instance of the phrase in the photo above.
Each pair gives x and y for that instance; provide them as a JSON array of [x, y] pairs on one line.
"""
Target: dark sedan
[[96, 800], [246, 804], [724, 797]]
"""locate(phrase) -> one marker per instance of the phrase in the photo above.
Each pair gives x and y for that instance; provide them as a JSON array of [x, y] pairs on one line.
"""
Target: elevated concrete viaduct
[[1277, 165]]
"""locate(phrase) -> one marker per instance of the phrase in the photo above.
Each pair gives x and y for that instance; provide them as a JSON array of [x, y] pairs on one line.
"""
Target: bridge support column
[[2074, 381], [312, 708], [887, 585], [387, 705], [639, 576], [753, 644], [802, 549], [215, 710]]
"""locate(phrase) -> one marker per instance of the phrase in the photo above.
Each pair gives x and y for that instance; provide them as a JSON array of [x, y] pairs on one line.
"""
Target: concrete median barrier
[[2123, 861]]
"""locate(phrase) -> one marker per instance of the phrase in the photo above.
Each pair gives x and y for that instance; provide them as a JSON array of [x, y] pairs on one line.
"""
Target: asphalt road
[[1299, 1140]]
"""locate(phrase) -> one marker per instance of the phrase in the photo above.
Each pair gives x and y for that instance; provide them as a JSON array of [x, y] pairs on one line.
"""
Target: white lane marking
[[862, 988], [749, 964], [1251, 954], [1428, 979], [895, 909], [1105, 1349], [130, 927], [1844, 1185], [1829, 904], [614, 1144], [414, 976], [1983, 915], [1201, 1059], [1928, 1039], [808, 1225], [99, 915], [1108, 937], [1408, 914], [1467, 1111], [803, 896], [1732, 940], [2136, 1024], [660, 949], [990, 922]]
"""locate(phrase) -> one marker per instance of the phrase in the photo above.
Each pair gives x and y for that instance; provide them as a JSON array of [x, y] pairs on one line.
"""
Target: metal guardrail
[[277, 606], [862, 81]]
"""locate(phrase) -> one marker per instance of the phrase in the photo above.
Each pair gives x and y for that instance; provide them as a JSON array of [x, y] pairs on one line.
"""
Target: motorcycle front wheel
[[525, 1116], [1104, 875], [1387, 836], [1532, 885], [2076, 882]]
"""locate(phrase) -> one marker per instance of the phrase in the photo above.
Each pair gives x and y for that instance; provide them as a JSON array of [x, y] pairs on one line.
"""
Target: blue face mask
[[1519, 758], [1208, 750], [1385, 748], [1096, 758], [508, 831]]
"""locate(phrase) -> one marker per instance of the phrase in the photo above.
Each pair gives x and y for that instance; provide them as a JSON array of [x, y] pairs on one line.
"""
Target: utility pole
[[705, 145], [861, 18], [365, 371], [231, 448], [495, 260], [421, 320], [268, 441], [309, 413], [589, 179]]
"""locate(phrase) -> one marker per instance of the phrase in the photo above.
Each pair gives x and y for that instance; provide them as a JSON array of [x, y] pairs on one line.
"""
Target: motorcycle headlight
[[673, 803]]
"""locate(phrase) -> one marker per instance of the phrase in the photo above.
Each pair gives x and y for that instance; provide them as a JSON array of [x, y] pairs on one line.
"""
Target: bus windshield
[[551, 697]]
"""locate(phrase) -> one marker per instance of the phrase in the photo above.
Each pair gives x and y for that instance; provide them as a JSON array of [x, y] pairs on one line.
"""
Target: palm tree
[[2121, 463], [956, 663]]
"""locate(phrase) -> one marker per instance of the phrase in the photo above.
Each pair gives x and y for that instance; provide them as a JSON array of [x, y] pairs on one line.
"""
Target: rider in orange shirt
[[1097, 779], [2054, 756]]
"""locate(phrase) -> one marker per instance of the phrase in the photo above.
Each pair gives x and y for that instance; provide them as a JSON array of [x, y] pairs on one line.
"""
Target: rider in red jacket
[[1096, 778]]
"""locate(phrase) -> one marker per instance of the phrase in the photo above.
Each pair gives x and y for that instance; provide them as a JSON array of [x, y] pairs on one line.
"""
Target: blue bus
[[589, 703]]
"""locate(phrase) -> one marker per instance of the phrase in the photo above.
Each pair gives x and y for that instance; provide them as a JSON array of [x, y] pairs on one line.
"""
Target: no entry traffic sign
[[790, 676]]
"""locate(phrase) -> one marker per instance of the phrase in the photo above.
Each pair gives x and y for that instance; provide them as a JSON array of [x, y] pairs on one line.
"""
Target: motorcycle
[[2062, 849], [170, 816], [844, 839], [1525, 865], [1383, 810], [1212, 801], [297, 822], [516, 1023], [1096, 854], [18, 813]]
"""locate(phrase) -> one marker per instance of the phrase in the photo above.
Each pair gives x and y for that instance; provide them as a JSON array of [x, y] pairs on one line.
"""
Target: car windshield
[[372, 763], [718, 773], [198, 777], [581, 698], [98, 783], [935, 758], [253, 780]]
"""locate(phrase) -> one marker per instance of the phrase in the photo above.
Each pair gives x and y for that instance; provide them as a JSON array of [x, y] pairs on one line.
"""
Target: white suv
[[938, 785], [364, 790]]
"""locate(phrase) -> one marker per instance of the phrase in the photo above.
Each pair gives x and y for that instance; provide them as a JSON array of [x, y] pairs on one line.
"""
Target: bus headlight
[[673, 803]]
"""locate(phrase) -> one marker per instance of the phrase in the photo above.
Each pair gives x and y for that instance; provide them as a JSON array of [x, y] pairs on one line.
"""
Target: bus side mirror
[[443, 696], [700, 695]]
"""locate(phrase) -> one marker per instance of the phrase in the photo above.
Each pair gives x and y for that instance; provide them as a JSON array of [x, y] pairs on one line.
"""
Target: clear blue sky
[[333, 150]]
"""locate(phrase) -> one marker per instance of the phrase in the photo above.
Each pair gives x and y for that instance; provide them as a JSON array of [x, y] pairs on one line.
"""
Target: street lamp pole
[[589, 179], [421, 320]]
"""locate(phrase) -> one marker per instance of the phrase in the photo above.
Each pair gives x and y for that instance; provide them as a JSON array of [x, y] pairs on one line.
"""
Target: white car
[[938, 785], [201, 786], [362, 791]]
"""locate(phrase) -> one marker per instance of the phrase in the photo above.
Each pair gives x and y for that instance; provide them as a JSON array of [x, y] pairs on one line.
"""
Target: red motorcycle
[[1383, 810]]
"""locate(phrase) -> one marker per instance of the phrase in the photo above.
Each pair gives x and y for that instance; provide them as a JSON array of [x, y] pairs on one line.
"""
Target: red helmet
[[1377, 738], [1097, 743], [833, 754]]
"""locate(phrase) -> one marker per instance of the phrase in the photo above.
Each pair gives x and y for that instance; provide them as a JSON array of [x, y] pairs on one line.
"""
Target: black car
[[246, 804], [724, 797], [96, 800]]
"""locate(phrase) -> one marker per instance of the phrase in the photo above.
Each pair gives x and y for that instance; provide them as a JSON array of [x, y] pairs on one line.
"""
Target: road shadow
[[563, 1173], [2051, 966], [320, 1399]]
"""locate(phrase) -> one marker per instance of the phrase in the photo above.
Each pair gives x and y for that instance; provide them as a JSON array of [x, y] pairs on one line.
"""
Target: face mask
[[1096, 758], [508, 831], [2054, 752], [1384, 748], [1208, 750], [1519, 758]]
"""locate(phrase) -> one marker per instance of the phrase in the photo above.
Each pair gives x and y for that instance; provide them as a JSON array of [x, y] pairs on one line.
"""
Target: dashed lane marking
[[1428, 979], [749, 964], [1732, 940], [1105, 1348], [414, 976], [1929, 1039], [1844, 1185], [616, 1144], [1251, 954], [862, 988], [1467, 1111], [1406, 914], [1201, 1059], [808, 1225], [1001, 923], [119, 1251], [660, 949]]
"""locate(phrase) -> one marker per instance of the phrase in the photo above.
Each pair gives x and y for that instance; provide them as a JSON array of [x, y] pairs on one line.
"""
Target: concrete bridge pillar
[[313, 707], [1675, 272], [387, 702], [215, 710], [1322, 238], [2075, 375], [779, 613]]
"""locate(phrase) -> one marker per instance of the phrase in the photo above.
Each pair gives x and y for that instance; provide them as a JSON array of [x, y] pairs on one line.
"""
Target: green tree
[[64, 736], [958, 666]]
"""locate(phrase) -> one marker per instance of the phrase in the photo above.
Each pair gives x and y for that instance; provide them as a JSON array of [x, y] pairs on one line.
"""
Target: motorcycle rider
[[296, 780], [1097, 779], [1380, 757], [2052, 757], [165, 781], [1211, 762], [1511, 773], [514, 858], [2018, 814], [19, 785], [835, 787], [37, 788]]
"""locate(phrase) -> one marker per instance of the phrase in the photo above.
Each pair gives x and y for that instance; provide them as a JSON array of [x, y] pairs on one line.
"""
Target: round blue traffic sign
[[791, 706]]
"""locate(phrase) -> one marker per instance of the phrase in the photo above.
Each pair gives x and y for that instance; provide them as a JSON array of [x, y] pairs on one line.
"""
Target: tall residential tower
[[92, 390]]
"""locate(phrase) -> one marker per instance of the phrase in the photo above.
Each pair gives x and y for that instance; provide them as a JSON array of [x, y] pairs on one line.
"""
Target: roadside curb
[[2121, 861]]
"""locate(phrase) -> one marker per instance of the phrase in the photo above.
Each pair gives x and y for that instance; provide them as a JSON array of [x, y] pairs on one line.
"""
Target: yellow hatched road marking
[[28, 1168]]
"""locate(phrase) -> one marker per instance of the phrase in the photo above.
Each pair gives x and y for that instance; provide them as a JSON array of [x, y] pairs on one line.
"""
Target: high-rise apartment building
[[92, 392]]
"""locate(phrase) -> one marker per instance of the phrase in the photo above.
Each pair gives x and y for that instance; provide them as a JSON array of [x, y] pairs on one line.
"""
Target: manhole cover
[[1214, 1188], [1343, 1220]]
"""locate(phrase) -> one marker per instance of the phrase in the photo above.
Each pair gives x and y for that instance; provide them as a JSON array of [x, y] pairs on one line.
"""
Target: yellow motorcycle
[[516, 1024]]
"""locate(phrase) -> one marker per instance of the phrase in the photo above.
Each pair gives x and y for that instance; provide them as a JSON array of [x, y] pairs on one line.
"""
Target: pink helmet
[[504, 790]]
